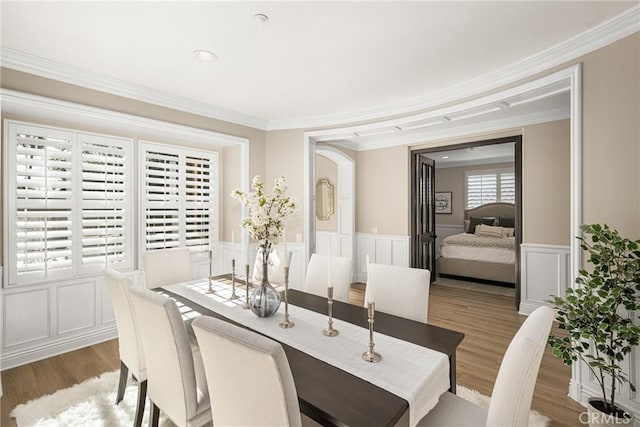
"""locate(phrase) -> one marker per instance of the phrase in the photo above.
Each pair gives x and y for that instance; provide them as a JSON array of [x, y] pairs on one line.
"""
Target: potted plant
[[594, 319]]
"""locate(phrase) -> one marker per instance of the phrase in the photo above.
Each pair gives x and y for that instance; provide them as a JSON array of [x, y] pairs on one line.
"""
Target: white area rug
[[90, 404], [473, 286]]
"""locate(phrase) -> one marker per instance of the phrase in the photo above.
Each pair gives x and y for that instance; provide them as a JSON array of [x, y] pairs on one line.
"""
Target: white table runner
[[415, 373]]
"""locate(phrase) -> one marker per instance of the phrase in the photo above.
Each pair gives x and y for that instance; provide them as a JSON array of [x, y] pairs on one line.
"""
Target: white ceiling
[[311, 60]]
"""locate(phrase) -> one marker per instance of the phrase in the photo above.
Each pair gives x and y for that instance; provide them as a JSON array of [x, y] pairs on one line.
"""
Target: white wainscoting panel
[[446, 230], [76, 307], [381, 248], [41, 321], [106, 307], [341, 244], [26, 317], [544, 272]]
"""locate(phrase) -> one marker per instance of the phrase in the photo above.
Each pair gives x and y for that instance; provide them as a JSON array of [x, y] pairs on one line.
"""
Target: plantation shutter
[[481, 189], [162, 200], [489, 187], [508, 187], [106, 196], [42, 197], [68, 203], [179, 205], [199, 197]]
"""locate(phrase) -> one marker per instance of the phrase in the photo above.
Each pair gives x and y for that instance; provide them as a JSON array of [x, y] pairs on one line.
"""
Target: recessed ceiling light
[[205, 55], [445, 157], [261, 18]]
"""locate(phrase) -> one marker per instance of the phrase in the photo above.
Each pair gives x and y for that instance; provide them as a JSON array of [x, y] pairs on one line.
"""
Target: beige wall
[[284, 155], [382, 191], [452, 179], [327, 169], [611, 136], [546, 187]]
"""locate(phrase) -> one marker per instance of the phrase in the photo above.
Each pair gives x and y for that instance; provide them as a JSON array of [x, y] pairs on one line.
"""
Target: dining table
[[330, 395]]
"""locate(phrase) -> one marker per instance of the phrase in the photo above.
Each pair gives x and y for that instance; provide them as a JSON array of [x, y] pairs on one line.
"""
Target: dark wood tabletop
[[332, 396]]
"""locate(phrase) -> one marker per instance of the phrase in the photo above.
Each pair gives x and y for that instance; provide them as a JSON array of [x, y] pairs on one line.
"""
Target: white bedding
[[487, 249]]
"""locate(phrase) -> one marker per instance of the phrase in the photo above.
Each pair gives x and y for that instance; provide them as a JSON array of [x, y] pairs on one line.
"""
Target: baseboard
[[11, 359], [527, 307]]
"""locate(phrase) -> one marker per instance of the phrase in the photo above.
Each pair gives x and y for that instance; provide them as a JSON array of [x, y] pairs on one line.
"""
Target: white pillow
[[489, 231], [508, 232]]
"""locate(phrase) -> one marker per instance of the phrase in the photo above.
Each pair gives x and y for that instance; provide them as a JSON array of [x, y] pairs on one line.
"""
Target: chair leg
[[122, 384], [155, 415], [142, 397]]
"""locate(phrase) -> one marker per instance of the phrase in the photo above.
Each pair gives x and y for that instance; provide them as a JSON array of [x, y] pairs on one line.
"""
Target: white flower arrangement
[[267, 212]]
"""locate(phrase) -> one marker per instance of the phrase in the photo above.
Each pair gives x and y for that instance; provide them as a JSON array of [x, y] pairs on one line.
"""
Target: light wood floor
[[488, 322]]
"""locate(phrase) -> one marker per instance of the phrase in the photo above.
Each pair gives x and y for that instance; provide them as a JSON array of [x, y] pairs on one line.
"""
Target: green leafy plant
[[597, 315]]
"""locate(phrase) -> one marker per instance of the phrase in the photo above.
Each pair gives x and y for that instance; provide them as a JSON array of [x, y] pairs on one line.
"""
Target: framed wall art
[[443, 202]]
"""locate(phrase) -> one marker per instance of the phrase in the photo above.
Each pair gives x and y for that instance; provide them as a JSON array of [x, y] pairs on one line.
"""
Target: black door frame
[[416, 242], [517, 139]]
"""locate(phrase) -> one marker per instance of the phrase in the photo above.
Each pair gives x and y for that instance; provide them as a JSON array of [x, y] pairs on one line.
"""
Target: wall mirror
[[324, 199]]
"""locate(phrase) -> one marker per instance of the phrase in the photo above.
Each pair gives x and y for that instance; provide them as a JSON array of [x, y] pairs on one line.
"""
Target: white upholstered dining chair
[[166, 267], [317, 278], [129, 340], [400, 291], [176, 381], [245, 368], [513, 390]]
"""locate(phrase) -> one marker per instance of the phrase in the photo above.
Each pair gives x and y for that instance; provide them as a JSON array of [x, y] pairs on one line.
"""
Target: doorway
[[499, 162], [335, 230]]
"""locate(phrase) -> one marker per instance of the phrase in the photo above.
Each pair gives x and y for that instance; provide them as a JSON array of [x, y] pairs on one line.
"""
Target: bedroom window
[[490, 186], [178, 191], [68, 203]]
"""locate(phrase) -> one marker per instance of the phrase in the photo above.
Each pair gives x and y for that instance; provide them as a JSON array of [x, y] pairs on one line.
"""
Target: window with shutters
[[178, 191], [68, 203], [490, 186]]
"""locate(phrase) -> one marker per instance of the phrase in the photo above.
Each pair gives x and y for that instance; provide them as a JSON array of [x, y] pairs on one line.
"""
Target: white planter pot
[[598, 418]]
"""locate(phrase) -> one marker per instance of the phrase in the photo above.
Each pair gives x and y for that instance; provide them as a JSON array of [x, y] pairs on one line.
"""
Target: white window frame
[[182, 152], [77, 269], [496, 172]]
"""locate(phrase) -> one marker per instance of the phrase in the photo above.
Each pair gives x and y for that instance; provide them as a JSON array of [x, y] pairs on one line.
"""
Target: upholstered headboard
[[505, 210]]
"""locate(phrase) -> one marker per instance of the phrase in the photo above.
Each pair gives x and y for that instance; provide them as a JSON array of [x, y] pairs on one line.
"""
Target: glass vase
[[264, 300]]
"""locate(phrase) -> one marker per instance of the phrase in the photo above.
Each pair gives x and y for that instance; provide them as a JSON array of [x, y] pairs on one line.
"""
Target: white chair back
[[129, 341], [166, 267], [242, 368], [275, 266], [400, 291], [317, 278], [513, 390], [170, 368]]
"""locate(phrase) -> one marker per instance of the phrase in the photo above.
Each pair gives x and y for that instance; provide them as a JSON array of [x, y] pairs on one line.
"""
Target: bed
[[490, 256]]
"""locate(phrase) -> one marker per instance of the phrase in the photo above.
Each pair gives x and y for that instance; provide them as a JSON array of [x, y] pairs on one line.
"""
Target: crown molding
[[54, 109], [451, 132], [42, 67], [595, 38]]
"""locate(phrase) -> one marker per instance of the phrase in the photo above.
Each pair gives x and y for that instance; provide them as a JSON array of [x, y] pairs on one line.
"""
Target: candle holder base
[[287, 324], [210, 289], [330, 332], [371, 357]]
